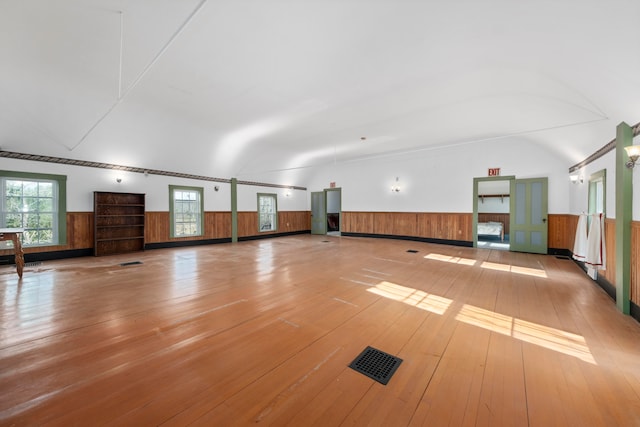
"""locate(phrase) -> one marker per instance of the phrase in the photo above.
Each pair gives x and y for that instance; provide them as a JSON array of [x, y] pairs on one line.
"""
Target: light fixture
[[633, 151], [118, 180], [576, 178], [395, 188]]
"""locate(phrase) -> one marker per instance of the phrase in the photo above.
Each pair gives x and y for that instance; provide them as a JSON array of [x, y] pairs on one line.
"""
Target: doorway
[[326, 212], [492, 212]]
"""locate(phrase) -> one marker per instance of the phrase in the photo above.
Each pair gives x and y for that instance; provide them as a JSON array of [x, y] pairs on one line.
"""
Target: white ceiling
[[244, 88]]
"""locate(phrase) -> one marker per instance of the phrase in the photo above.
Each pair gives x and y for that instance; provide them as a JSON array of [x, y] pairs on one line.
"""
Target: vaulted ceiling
[[248, 88]]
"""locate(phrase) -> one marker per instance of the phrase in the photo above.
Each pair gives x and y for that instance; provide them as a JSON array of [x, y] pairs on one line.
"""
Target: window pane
[[187, 214], [30, 188], [30, 204], [45, 189], [267, 212]]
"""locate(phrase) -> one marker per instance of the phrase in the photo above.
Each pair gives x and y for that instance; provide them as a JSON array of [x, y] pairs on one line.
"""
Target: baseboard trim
[[47, 256], [270, 235], [184, 243], [411, 238], [635, 311]]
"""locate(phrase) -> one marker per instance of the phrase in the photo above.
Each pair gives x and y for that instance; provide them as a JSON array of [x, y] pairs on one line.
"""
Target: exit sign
[[494, 171]]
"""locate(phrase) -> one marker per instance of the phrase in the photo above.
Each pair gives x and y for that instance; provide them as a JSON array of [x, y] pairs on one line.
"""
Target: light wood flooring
[[262, 332]]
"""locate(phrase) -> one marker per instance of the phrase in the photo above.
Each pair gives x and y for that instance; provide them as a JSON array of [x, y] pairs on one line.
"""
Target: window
[[267, 212], [37, 203], [597, 193], [186, 207]]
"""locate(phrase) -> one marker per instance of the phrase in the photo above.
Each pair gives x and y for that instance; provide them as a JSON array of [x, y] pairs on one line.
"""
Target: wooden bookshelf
[[119, 222]]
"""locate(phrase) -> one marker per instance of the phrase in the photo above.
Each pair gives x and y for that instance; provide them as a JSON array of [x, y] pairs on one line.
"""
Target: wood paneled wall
[[217, 225], [635, 262], [79, 235], [447, 226], [562, 231], [610, 245], [496, 217]]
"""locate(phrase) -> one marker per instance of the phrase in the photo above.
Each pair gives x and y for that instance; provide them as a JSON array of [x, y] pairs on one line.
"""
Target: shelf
[[113, 239], [120, 226], [488, 196], [118, 222]]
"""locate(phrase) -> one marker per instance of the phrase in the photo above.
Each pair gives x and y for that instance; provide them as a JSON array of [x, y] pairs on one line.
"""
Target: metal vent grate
[[124, 264], [376, 364], [412, 251]]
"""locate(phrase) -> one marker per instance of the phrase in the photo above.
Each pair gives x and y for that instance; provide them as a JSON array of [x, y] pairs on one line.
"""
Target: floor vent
[[563, 257], [325, 241], [33, 264], [376, 364], [412, 251], [124, 264]]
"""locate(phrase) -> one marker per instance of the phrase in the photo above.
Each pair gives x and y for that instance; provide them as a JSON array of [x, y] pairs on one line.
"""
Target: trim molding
[[635, 311], [270, 235], [610, 146], [183, 243], [411, 238], [99, 165], [47, 256]]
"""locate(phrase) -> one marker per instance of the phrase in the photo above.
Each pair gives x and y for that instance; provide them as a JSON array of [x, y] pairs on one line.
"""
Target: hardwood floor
[[262, 332]]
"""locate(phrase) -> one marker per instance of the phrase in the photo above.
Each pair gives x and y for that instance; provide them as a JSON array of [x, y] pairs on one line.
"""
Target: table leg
[[19, 254]]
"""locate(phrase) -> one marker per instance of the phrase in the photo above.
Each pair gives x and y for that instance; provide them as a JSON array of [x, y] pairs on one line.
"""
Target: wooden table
[[14, 235]]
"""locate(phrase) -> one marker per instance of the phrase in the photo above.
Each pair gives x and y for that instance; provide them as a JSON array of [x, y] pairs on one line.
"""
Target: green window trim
[[172, 211], [61, 218], [267, 212]]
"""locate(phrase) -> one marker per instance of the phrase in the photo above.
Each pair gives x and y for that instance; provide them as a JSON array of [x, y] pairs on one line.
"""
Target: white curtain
[[580, 242], [596, 251]]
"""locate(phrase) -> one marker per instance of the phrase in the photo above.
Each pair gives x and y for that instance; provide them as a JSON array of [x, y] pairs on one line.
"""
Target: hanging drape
[[580, 242], [596, 250]]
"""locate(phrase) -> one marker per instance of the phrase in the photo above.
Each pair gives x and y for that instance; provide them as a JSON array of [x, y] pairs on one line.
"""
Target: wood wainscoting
[[79, 235], [217, 225], [436, 225], [635, 262]]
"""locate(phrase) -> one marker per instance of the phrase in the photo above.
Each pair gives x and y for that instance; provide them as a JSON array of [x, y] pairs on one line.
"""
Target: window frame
[[594, 179], [274, 214], [172, 217], [60, 218]]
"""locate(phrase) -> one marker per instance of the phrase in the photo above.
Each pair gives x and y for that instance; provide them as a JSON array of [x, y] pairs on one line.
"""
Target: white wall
[[83, 181], [288, 199], [441, 180]]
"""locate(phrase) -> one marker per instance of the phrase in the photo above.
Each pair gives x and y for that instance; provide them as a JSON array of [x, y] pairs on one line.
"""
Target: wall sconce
[[633, 151], [576, 178], [396, 187]]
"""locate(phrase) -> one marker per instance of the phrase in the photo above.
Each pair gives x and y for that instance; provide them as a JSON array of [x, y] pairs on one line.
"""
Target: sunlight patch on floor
[[451, 259], [413, 297], [514, 269], [533, 333]]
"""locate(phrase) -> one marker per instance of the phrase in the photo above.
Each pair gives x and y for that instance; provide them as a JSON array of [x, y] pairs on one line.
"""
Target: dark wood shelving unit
[[119, 222]]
